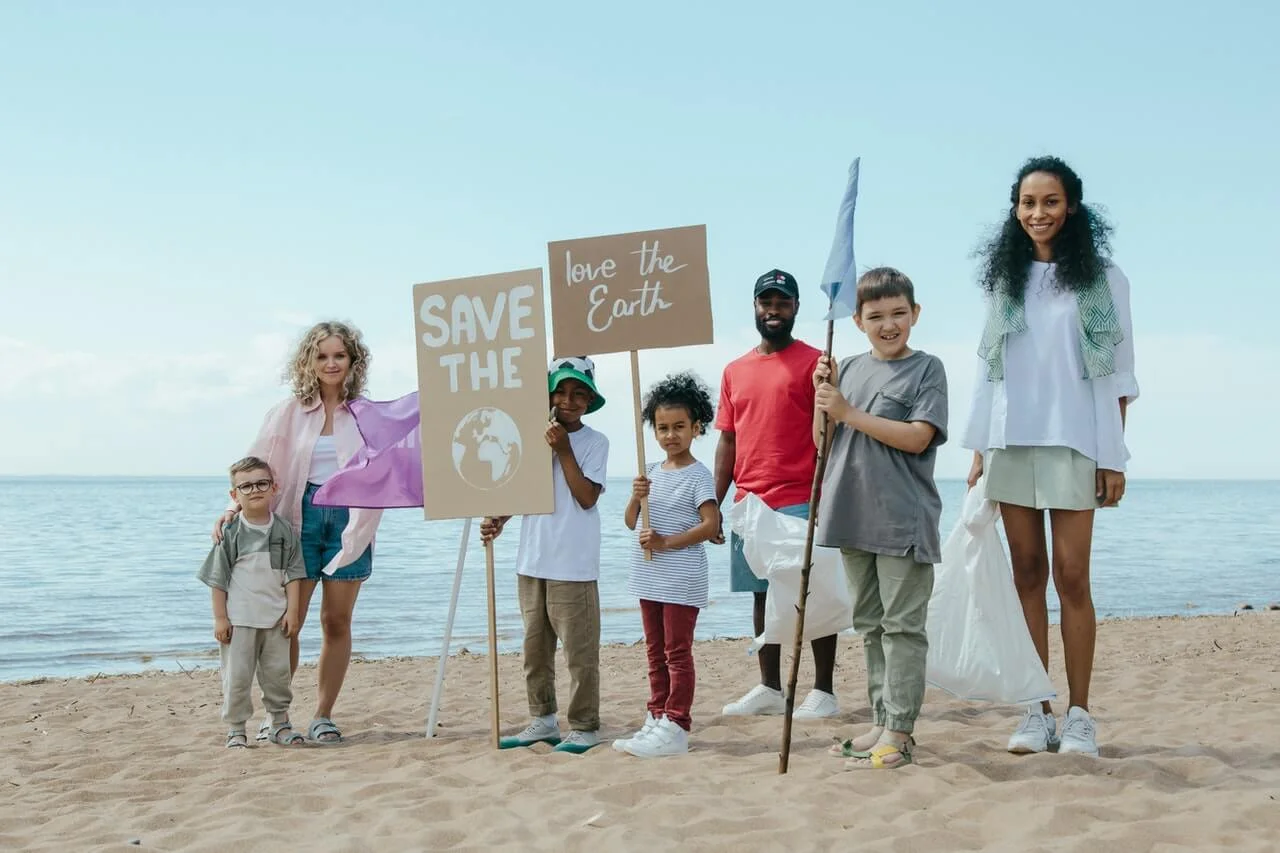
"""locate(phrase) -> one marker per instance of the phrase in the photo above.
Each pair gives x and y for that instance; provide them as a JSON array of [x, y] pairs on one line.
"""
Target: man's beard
[[781, 333]]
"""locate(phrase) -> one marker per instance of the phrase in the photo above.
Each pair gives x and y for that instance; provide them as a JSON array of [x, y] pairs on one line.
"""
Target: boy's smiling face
[[887, 324], [571, 399]]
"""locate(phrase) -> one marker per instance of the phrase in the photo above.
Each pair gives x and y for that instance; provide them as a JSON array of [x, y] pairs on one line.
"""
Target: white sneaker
[[649, 722], [818, 705], [1079, 734], [760, 700], [1035, 733], [665, 738], [577, 742], [540, 730]]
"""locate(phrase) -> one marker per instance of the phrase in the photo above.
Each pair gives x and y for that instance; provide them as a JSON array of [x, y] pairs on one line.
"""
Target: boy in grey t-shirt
[[880, 505], [253, 574]]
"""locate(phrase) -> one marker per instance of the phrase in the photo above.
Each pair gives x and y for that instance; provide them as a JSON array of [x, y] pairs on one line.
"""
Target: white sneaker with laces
[[665, 738], [759, 701], [1079, 733], [649, 722], [818, 705], [1035, 733], [540, 730]]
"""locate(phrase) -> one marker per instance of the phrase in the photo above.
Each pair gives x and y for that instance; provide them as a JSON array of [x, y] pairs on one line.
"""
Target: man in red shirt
[[766, 448]]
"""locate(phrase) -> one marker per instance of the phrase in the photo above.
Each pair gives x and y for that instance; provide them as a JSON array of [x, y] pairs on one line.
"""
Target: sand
[[1188, 710]]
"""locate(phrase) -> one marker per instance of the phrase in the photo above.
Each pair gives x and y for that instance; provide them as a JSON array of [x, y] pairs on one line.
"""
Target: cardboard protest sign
[[643, 290], [482, 393]]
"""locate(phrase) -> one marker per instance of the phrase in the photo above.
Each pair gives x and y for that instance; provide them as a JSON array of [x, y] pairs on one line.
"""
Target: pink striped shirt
[[286, 441]]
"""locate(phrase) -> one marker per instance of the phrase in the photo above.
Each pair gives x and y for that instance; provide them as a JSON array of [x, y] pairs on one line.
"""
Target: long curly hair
[[300, 372], [1081, 249], [681, 389]]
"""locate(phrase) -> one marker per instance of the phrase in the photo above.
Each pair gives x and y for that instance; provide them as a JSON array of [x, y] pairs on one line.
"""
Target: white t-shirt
[[324, 460], [565, 545], [1044, 401], [674, 577]]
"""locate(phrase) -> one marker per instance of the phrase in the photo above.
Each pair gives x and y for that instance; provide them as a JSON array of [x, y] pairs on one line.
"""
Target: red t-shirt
[[766, 401]]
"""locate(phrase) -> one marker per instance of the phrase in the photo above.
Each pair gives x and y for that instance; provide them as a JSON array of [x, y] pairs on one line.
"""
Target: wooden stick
[[635, 393], [814, 494], [493, 645]]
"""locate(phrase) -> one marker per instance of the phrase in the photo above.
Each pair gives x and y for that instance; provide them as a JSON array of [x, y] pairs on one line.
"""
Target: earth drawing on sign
[[486, 448]]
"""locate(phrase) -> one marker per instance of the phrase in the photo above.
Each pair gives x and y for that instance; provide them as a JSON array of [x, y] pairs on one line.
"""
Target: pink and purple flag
[[386, 473]]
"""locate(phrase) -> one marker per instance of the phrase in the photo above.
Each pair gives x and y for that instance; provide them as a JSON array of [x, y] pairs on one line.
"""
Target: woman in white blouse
[[1047, 420]]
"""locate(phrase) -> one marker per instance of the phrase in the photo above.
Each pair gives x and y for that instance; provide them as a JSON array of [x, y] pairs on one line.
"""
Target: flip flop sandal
[[284, 735], [844, 749], [877, 757], [320, 727], [237, 740], [264, 731]]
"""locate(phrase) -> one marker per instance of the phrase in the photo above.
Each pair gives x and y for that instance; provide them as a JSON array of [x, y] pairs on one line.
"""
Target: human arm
[[704, 531], [975, 470], [491, 527], [293, 609], [221, 624], [822, 373], [639, 491], [908, 436]]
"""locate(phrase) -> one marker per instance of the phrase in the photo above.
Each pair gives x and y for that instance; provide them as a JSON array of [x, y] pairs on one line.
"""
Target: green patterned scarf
[[1100, 331]]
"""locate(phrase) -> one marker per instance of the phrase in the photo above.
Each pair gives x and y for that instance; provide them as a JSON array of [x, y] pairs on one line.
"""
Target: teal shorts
[[741, 578]]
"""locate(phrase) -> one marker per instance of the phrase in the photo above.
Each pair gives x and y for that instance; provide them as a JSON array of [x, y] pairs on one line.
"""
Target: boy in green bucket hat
[[558, 566]]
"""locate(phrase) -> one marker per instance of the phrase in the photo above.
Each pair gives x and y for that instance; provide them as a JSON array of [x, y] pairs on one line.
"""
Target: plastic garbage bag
[[979, 646], [773, 545]]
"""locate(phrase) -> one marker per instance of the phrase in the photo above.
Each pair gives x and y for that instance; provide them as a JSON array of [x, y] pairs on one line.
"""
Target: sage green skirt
[[1041, 478]]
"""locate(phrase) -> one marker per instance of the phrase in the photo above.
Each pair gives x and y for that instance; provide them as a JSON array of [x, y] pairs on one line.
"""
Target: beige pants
[[266, 652], [569, 611]]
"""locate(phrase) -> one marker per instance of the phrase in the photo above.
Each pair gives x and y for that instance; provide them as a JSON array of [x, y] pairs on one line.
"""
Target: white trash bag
[[773, 545], [979, 646]]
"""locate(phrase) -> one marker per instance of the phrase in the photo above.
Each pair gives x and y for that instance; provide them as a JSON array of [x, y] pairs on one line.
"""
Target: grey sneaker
[[540, 730], [1035, 733], [1079, 734], [578, 742]]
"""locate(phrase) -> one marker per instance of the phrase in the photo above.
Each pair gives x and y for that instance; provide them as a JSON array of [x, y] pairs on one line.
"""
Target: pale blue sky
[[184, 186]]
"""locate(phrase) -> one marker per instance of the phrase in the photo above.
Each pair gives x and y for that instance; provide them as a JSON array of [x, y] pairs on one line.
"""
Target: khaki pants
[[266, 652], [570, 611], [890, 606]]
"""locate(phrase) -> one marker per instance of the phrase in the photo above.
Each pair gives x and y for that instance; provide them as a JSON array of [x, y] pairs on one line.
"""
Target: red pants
[[668, 634]]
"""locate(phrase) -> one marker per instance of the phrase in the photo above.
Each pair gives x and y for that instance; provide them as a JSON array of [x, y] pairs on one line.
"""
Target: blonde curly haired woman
[[306, 439]]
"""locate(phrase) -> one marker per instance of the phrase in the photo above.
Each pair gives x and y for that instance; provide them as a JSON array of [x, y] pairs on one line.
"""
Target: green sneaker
[[578, 742], [541, 730]]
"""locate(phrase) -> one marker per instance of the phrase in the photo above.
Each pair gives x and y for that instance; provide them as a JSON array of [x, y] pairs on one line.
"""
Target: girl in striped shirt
[[672, 586]]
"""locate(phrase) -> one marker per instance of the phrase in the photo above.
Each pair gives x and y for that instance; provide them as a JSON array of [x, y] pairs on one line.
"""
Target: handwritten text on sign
[[482, 394], [643, 290]]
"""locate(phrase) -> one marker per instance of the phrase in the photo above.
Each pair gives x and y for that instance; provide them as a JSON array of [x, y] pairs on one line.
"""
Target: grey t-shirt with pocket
[[874, 497]]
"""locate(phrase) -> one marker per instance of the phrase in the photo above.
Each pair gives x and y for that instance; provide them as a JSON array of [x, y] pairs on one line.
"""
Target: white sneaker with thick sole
[[1035, 733], [1079, 734], [665, 738], [759, 701], [818, 705], [649, 722]]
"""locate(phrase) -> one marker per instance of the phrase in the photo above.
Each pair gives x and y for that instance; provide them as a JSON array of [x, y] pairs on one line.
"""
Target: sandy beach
[[1188, 710]]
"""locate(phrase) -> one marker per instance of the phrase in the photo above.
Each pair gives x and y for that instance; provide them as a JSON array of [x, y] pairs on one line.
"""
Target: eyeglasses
[[255, 486], [580, 364]]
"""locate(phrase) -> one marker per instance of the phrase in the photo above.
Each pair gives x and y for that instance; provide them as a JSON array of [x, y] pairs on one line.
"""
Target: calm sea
[[98, 574]]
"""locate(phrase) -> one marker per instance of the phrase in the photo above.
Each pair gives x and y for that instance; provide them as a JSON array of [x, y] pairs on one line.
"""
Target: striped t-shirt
[[674, 577]]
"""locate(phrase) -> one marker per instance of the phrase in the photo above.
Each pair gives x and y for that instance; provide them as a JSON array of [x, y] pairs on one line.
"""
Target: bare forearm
[[632, 513], [726, 457], [293, 594], [219, 603], [585, 492], [907, 436], [702, 533]]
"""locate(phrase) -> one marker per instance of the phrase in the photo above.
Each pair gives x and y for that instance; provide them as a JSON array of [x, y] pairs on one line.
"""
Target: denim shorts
[[741, 578], [322, 528]]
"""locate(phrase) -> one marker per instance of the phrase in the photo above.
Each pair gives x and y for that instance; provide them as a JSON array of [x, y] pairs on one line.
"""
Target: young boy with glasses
[[252, 573]]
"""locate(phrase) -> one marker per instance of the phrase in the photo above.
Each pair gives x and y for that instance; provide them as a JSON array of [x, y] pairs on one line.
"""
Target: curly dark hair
[[681, 389], [1080, 250]]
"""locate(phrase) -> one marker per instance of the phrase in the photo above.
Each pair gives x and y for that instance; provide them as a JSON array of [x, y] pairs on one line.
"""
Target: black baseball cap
[[783, 282]]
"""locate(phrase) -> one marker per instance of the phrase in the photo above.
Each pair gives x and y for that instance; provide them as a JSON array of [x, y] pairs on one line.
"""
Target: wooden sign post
[[482, 393], [628, 292]]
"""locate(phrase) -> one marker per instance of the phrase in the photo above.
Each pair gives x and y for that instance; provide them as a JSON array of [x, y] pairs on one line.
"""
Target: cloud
[[1208, 407]]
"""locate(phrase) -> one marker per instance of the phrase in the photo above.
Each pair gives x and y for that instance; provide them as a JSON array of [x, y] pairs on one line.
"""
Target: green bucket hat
[[576, 367]]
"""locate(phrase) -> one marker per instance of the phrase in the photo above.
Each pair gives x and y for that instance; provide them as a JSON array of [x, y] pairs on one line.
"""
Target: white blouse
[[1043, 400], [324, 460]]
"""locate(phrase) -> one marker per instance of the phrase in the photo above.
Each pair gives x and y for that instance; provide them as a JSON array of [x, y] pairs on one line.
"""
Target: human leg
[[651, 614]]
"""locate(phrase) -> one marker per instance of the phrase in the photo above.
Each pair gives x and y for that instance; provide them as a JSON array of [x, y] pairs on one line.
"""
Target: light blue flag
[[839, 280]]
